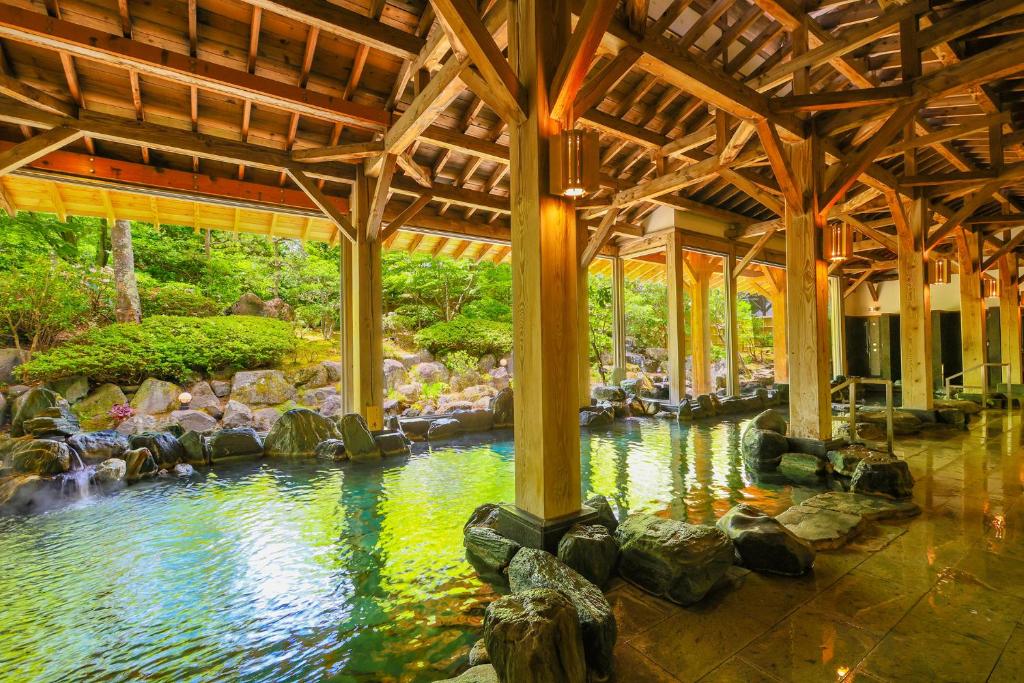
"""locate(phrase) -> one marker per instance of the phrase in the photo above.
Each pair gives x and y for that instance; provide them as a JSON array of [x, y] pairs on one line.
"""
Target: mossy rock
[[93, 411], [32, 404], [297, 434]]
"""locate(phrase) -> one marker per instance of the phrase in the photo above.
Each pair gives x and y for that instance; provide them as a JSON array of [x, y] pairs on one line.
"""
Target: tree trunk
[[127, 309], [101, 245]]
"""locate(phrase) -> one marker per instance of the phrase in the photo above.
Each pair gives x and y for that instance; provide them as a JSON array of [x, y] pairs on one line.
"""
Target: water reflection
[[302, 571]]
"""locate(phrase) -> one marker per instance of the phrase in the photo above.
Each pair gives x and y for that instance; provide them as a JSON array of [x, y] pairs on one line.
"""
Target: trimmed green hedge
[[472, 335], [168, 347], [177, 298]]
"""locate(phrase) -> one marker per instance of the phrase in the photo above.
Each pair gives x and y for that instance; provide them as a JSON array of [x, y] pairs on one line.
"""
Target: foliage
[[176, 298], [40, 300], [460, 363], [34, 235], [472, 335], [167, 347]]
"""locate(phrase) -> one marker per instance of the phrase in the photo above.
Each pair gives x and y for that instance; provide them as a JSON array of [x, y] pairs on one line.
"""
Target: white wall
[[943, 298]]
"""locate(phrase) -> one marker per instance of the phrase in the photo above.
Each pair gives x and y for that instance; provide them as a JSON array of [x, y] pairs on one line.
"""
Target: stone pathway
[[939, 597]]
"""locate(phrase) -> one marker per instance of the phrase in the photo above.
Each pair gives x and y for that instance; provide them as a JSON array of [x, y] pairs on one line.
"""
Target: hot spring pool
[[309, 570]]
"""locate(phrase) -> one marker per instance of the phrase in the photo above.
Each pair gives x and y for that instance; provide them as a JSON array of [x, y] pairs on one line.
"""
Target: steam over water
[[309, 571]]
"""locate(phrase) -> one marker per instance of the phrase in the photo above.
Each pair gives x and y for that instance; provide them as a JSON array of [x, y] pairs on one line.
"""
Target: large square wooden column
[[362, 328], [583, 319], [676, 319], [837, 326], [700, 324], [1009, 318], [545, 279], [618, 320], [915, 310], [780, 355], [732, 330], [972, 312], [810, 401]]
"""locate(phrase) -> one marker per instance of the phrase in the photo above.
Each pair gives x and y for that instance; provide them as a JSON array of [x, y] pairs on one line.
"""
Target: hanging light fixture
[[575, 160], [838, 242], [989, 287], [940, 271]]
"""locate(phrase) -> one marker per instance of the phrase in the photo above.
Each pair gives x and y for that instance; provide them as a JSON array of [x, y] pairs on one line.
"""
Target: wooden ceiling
[[257, 107]]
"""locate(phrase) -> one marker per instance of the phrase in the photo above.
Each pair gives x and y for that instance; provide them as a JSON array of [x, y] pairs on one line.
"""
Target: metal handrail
[[984, 382], [852, 383]]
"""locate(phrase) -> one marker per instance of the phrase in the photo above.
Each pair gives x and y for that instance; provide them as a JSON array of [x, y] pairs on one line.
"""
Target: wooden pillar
[[810, 403], [346, 328], [732, 330], [544, 280], [583, 318], [1009, 318], [837, 326], [676, 322], [777, 276], [700, 329], [972, 311], [367, 333], [915, 310], [618, 320]]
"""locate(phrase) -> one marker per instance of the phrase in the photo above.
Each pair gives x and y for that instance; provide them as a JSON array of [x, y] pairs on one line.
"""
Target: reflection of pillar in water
[[679, 464], [702, 506], [620, 448], [733, 463]]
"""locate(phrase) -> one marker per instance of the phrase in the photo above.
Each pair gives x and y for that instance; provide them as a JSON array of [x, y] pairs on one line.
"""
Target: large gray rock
[[605, 514], [881, 474], [802, 468], [57, 422], [231, 443], [261, 387], [236, 415], [485, 515], [250, 304], [392, 444], [672, 559], [40, 456], [533, 569], [480, 673], [394, 374], [140, 464], [138, 424], [9, 359], [165, 447], [762, 449], [844, 460], [601, 392], [474, 420], [359, 442], [94, 447], [156, 396], [297, 434], [27, 492], [763, 544], [871, 508], [196, 451], [93, 411], [903, 422], [71, 388], [331, 449], [770, 420], [596, 418], [264, 419], [591, 551], [203, 398], [488, 551], [824, 529], [110, 472], [194, 421], [31, 404], [221, 388], [534, 637], [503, 407], [443, 428]]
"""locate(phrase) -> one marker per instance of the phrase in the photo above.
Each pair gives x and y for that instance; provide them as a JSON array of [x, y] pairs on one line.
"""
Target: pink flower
[[121, 411]]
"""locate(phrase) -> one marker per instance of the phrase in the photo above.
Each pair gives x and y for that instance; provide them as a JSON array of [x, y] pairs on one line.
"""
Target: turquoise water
[[309, 571]]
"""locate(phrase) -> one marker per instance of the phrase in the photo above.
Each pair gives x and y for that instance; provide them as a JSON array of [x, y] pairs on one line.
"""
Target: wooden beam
[[753, 252], [414, 170], [36, 147], [675, 180], [1006, 248], [842, 99], [598, 87], [578, 55], [967, 20], [379, 198], [352, 151], [780, 163], [26, 94], [336, 20], [600, 236], [396, 223], [75, 39], [858, 282], [341, 223], [969, 206]]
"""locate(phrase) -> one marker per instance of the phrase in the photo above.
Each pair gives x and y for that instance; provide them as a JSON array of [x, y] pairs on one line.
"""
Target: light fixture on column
[[989, 287], [575, 160], [940, 271], [838, 242]]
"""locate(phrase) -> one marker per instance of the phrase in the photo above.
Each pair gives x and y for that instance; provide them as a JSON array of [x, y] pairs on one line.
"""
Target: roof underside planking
[[250, 115]]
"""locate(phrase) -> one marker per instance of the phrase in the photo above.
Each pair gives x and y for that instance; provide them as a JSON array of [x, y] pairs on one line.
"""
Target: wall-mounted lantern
[[989, 287], [940, 274], [838, 242], [575, 163]]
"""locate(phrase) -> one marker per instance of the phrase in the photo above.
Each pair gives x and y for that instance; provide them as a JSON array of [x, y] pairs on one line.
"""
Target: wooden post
[[732, 330], [1009, 318], [544, 281], [777, 276], [618, 319], [837, 326], [367, 336], [810, 402], [346, 328], [583, 318], [700, 328], [676, 324], [915, 310], [972, 311]]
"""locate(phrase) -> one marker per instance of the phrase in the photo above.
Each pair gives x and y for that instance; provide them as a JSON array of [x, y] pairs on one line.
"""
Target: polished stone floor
[[939, 597]]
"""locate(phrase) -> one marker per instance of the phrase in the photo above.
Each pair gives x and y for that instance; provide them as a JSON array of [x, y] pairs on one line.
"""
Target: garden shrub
[[168, 347], [40, 301], [176, 298], [474, 336]]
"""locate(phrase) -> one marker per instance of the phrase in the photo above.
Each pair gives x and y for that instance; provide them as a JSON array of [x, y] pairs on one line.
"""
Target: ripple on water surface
[[310, 571]]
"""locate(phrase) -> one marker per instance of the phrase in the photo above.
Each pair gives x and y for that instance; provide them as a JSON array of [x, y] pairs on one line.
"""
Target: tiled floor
[[939, 597]]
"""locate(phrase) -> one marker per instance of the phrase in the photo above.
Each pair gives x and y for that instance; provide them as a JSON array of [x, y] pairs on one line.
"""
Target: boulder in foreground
[[763, 544]]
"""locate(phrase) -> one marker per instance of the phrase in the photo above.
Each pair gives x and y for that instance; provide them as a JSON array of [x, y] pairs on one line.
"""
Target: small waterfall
[[75, 482]]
